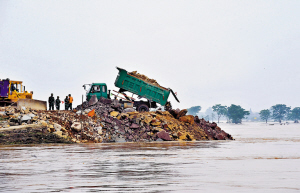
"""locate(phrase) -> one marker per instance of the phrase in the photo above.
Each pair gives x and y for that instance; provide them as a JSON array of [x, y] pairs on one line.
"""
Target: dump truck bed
[[142, 88]]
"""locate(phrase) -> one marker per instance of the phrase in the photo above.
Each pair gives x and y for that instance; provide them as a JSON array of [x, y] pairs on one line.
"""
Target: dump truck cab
[[98, 89]]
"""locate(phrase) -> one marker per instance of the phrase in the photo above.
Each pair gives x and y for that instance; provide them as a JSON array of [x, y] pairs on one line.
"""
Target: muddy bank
[[29, 135]]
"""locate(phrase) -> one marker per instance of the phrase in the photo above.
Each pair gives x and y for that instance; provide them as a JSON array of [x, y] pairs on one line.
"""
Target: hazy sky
[[209, 52]]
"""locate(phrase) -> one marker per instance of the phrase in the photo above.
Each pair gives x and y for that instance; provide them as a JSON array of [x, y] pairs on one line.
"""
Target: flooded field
[[263, 158]]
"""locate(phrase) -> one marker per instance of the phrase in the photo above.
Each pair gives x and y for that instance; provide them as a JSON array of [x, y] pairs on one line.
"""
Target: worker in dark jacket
[[70, 101], [57, 103], [66, 103], [51, 102]]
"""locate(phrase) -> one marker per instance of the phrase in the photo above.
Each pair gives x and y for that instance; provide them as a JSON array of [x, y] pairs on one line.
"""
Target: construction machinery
[[14, 93], [137, 84]]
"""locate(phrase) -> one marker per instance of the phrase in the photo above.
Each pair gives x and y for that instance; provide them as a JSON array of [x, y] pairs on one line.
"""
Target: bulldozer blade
[[31, 103]]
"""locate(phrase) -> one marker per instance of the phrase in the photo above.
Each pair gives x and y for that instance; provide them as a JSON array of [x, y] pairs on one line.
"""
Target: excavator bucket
[[31, 103]]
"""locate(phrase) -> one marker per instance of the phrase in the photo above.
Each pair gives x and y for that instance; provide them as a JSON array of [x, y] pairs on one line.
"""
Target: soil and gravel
[[103, 121]]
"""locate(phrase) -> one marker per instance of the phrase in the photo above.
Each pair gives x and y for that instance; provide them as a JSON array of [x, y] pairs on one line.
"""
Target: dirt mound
[[107, 121]]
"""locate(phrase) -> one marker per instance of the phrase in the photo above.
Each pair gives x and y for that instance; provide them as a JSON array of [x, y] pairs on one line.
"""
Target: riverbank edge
[[30, 134], [37, 134]]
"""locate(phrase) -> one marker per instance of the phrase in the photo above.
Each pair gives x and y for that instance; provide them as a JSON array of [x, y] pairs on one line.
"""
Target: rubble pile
[[11, 116], [146, 79], [212, 131], [107, 121], [120, 124]]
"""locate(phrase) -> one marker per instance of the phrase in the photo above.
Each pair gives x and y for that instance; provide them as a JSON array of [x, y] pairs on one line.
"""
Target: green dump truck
[[153, 93]]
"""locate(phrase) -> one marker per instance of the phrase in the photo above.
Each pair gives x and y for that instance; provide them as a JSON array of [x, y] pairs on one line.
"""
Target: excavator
[[14, 93]]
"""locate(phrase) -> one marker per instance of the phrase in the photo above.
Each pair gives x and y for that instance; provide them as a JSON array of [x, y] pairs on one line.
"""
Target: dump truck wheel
[[143, 108]]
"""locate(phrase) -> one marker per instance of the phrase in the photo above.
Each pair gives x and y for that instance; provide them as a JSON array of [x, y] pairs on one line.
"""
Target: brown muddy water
[[263, 158]]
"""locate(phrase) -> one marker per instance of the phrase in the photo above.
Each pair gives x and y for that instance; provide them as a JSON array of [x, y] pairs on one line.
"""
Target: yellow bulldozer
[[14, 93]]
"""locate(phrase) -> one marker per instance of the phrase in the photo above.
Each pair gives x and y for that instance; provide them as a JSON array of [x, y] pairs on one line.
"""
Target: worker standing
[[70, 101], [51, 102], [57, 103], [66, 103]]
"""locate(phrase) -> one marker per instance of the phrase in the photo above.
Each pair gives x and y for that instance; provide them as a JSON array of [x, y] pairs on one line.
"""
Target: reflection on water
[[263, 158]]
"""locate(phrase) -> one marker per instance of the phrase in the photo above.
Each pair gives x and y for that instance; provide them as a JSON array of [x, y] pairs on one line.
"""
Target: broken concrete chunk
[[129, 110], [25, 118], [31, 115], [100, 131], [76, 126], [57, 127], [87, 110]]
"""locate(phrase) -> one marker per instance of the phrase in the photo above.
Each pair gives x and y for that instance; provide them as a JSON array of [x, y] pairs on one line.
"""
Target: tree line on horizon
[[235, 113], [279, 112]]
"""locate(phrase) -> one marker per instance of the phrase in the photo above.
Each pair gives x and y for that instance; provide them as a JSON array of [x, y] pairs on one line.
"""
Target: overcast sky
[[210, 52]]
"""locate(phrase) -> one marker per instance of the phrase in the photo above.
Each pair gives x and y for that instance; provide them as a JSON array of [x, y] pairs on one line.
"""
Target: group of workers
[[68, 102]]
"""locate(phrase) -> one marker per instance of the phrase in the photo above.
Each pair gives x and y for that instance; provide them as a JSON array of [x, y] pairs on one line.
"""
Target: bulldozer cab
[[15, 86], [17, 91]]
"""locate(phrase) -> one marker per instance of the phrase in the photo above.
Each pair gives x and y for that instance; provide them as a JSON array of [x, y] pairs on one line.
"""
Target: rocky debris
[[212, 131], [76, 126], [113, 123], [187, 119], [164, 135], [93, 100]]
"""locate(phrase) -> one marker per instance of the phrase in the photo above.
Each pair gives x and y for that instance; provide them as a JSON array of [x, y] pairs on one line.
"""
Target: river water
[[263, 158]]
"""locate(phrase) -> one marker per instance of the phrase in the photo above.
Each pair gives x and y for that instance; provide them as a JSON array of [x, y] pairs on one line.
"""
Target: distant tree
[[194, 110], [236, 113], [212, 117], [279, 111], [220, 110], [265, 114], [295, 114], [226, 115]]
